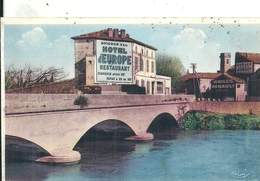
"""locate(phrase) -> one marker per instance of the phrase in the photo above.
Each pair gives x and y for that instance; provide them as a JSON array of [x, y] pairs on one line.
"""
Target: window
[[137, 82], [147, 53], [238, 85], [152, 54], [142, 83], [159, 88], [141, 65], [136, 63], [148, 87], [147, 65], [135, 49], [142, 51], [152, 68]]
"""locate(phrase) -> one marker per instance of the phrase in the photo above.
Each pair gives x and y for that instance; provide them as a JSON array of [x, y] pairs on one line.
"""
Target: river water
[[172, 155]]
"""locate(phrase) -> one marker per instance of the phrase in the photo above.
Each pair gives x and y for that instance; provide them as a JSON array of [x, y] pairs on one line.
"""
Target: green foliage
[[191, 121], [205, 120], [242, 121], [82, 101], [215, 122], [171, 66]]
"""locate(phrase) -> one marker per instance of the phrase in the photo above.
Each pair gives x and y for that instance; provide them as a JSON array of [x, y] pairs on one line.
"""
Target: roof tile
[[252, 57], [200, 76]]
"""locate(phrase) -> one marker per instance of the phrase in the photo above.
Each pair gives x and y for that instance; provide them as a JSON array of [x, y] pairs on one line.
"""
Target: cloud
[[37, 50], [34, 38], [194, 37], [36, 35], [193, 46]]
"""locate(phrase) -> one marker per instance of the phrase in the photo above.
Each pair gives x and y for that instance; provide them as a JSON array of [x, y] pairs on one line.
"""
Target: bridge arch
[[20, 149], [163, 121], [109, 129]]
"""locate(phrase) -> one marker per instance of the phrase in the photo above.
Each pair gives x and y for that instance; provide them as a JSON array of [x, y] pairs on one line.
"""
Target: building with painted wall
[[239, 82], [110, 56], [229, 88], [198, 84]]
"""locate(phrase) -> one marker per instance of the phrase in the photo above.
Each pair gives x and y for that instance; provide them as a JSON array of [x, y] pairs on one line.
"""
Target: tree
[[9, 81], [29, 76], [171, 66]]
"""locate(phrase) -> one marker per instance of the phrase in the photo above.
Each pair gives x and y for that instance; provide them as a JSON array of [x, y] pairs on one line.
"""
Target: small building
[[110, 57], [228, 88], [247, 66], [198, 84], [254, 87]]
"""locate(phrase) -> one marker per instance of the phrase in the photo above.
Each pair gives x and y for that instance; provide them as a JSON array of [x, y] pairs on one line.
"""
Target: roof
[[252, 57], [104, 35], [236, 79], [211, 76], [200, 76]]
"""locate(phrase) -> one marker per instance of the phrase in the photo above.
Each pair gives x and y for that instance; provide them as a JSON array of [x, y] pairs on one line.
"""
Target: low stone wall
[[227, 107], [64, 87], [18, 103]]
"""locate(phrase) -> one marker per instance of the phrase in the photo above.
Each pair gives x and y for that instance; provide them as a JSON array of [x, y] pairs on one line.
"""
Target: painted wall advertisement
[[113, 62], [223, 84], [244, 67]]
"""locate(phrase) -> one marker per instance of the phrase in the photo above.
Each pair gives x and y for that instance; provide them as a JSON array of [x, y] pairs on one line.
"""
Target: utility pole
[[193, 66]]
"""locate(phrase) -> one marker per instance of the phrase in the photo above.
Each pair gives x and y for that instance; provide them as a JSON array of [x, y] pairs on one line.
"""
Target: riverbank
[[201, 120]]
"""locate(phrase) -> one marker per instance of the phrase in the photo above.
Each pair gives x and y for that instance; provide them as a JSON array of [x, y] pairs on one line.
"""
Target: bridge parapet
[[20, 103], [222, 107]]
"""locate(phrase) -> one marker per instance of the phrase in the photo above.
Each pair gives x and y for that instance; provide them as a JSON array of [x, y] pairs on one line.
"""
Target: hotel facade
[[110, 57]]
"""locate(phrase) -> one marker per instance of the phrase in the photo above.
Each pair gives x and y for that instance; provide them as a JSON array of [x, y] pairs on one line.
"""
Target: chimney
[[116, 33], [122, 32], [110, 33]]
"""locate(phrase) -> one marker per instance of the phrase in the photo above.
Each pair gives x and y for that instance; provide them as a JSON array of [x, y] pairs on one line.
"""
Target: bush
[[82, 101], [206, 120], [242, 122], [191, 121], [216, 122]]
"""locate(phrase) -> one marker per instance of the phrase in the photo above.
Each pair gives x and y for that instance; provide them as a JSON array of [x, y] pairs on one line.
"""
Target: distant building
[[228, 88], [247, 67], [240, 82], [111, 57], [198, 84], [246, 63]]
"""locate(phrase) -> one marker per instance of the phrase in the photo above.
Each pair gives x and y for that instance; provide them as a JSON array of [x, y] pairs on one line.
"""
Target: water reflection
[[105, 156], [19, 150]]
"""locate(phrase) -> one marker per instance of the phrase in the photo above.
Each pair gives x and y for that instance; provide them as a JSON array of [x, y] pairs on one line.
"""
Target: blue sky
[[201, 43]]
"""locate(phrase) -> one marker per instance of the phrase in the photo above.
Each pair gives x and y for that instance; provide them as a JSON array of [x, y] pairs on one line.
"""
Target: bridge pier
[[141, 137], [62, 157]]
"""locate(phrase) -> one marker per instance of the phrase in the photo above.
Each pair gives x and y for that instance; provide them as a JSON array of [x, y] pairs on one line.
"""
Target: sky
[[45, 44]]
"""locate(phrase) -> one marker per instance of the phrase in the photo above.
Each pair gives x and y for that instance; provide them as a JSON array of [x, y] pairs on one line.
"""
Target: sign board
[[223, 84], [244, 68], [113, 62]]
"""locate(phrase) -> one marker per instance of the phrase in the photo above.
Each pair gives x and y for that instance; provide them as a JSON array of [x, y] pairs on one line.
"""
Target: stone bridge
[[56, 125]]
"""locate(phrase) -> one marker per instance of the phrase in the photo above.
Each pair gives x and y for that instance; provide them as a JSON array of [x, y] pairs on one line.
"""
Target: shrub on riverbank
[[205, 120]]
